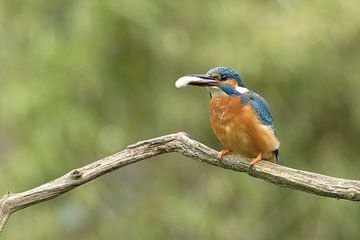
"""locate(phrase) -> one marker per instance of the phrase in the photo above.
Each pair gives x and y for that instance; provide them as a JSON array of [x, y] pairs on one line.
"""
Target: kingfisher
[[240, 118]]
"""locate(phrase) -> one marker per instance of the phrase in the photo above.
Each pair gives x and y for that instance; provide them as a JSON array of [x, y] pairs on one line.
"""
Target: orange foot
[[223, 152], [255, 160]]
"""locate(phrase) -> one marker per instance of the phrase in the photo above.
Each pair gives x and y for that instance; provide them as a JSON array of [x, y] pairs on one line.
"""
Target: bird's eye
[[223, 77]]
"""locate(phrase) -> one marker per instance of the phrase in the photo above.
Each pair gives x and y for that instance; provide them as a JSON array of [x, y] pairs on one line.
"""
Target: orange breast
[[238, 128]]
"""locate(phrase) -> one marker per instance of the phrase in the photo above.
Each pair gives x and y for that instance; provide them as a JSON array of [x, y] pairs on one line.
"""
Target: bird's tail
[[276, 153]]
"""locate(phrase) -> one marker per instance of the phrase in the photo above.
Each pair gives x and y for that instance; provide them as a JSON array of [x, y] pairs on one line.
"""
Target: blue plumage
[[228, 72], [260, 106], [258, 103], [262, 110]]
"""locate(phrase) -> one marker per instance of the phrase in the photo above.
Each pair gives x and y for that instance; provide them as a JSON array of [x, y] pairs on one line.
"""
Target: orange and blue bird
[[241, 119]]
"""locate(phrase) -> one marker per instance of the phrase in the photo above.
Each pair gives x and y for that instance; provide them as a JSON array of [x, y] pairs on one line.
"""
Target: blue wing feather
[[260, 106], [262, 110]]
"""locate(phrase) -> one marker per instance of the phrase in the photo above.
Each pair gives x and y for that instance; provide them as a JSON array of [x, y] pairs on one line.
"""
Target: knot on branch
[[352, 194], [75, 174]]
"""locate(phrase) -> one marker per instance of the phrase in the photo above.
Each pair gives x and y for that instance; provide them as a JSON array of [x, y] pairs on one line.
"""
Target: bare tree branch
[[286, 177]]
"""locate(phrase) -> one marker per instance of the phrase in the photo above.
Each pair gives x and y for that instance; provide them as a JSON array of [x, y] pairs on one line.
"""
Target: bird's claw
[[223, 152], [255, 160]]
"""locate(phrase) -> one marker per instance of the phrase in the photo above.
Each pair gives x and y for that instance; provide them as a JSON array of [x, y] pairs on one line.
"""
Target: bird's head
[[219, 80]]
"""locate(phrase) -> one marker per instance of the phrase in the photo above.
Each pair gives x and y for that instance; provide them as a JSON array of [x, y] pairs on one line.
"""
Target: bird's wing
[[261, 108]]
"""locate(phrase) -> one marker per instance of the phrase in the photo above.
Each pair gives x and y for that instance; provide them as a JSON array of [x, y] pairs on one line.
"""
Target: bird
[[240, 118]]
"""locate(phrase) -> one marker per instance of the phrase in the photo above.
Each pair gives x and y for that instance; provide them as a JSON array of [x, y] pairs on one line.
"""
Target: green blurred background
[[82, 79]]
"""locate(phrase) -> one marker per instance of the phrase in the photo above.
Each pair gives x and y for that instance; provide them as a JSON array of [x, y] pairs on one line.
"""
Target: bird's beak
[[201, 80]]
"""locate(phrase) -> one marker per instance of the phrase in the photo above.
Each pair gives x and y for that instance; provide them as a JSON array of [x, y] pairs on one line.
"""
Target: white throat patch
[[215, 91]]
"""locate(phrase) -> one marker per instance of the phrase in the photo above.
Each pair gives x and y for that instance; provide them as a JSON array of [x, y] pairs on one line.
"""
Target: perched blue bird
[[241, 119]]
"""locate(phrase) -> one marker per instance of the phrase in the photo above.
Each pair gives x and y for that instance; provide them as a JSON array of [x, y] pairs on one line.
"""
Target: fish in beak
[[201, 80]]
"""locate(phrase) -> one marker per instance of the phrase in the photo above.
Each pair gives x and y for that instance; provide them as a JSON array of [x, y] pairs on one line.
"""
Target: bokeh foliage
[[81, 79]]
